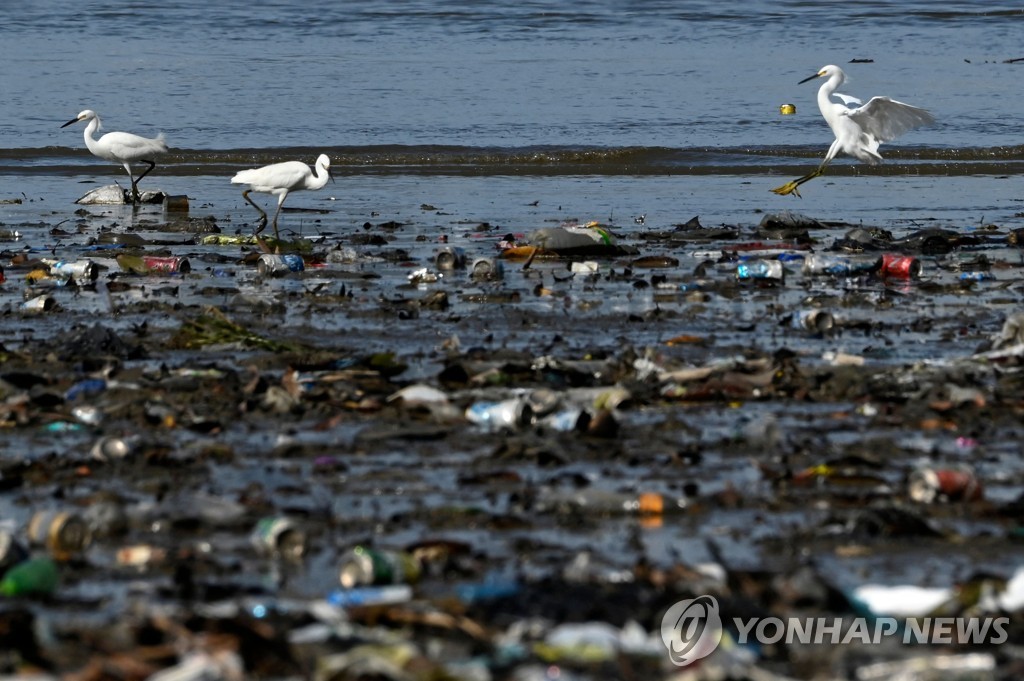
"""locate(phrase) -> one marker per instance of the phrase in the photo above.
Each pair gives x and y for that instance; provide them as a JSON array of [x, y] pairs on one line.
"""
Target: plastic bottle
[[493, 416], [839, 264], [597, 500], [760, 269], [35, 576]]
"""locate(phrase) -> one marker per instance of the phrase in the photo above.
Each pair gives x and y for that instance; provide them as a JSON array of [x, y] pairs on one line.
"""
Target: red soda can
[[168, 265], [957, 483], [900, 266]]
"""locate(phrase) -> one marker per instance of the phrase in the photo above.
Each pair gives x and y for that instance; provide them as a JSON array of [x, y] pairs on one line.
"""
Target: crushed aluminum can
[[43, 303], [79, 271], [63, 534], [814, 320], [760, 269], [900, 266], [450, 258], [168, 265], [958, 483], [488, 269], [277, 536], [816, 263], [11, 552], [978, 275], [787, 109], [278, 265], [363, 566]]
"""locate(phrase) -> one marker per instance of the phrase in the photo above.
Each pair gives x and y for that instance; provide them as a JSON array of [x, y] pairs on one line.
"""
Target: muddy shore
[[501, 431]]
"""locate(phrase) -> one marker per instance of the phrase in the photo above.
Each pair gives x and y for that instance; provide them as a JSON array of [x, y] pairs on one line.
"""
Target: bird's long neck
[[826, 90], [319, 179], [90, 130]]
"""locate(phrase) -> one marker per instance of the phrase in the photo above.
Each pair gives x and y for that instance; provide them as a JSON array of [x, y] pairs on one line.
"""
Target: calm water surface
[[538, 89]]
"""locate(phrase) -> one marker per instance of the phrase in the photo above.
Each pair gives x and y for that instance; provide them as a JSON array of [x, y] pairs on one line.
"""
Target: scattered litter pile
[[374, 456]]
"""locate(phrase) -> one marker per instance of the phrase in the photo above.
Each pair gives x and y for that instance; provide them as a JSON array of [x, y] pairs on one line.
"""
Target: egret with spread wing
[[279, 179], [859, 130], [122, 147]]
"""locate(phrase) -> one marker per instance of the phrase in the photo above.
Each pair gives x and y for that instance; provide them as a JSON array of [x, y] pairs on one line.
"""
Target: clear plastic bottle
[[595, 500]]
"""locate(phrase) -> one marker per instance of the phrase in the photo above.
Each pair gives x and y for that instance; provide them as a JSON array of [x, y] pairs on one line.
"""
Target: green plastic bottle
[[35, 576]]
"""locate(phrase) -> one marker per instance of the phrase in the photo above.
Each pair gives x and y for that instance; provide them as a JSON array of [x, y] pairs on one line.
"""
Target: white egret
[[858, 129], [279, 179], [122, 147]]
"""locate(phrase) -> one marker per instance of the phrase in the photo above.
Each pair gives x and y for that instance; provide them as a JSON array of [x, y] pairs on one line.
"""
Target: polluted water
[[547, 360]]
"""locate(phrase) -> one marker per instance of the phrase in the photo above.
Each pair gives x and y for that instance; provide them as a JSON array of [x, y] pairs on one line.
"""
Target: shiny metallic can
[[62, 533], [78, 270], [278, 536], [112, 447], [787, 109], [760, 269], [278, 265], [450, 258], [43, 303], [900, 266], [364, 566], [955, 483], [819, 321], [167, 265], [489, 269]]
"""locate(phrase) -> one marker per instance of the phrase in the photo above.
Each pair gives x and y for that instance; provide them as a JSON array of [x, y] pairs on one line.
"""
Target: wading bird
[[858, 130], [122, 147], [281, 178]]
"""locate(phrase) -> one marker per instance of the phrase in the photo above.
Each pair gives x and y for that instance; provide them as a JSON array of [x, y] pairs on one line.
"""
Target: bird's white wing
[[286, 175], [848, 100], [886, 119], [128, 145]]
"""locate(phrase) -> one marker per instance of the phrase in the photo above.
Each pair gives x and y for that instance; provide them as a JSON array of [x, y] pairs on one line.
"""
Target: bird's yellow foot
[[788, 188]]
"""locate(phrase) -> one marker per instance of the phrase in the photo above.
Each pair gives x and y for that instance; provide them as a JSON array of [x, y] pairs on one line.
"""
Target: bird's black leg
[[277, 237], [135, 189], [135, 184], [263, 216]]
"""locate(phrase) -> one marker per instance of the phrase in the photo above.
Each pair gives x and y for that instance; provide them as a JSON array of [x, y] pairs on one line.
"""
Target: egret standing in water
[[281, 178], [122, 147], [858, 130]]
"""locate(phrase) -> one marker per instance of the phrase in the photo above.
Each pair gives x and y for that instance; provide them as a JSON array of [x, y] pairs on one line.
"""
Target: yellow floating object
[[787, 109]]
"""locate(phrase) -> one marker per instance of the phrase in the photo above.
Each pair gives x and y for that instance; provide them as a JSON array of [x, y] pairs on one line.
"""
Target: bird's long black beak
[[73, 120], [808, 78]]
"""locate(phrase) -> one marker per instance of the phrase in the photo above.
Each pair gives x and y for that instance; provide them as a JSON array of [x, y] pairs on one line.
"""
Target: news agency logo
[[691, 629]]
